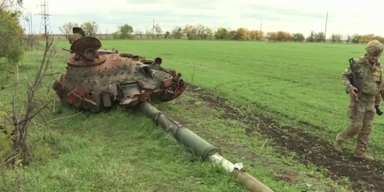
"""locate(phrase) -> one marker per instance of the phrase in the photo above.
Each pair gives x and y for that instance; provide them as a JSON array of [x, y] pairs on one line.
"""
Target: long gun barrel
[[202, 148]]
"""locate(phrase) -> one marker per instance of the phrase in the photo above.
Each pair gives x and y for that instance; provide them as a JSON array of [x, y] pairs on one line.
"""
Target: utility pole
[[261, 24], [153, 26], [31, 24], [325, 32], [45, 24]]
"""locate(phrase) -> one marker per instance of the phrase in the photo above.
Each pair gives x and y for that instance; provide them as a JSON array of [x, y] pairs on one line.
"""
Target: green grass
[[125, 151], [300, 80]]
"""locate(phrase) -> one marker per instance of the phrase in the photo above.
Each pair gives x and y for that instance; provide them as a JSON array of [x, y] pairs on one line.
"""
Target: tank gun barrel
[[67, 50], [202, 148]]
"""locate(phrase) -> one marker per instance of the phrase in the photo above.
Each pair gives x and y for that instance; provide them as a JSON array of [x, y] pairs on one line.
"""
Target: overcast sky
[[345, 16]]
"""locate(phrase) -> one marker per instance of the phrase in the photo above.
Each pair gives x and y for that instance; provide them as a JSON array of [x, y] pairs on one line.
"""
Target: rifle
[[378, 110], [353, 76]]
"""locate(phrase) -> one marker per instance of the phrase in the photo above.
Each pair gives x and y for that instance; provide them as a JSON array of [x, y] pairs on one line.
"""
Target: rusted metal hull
[[116, 80], [97, 78]]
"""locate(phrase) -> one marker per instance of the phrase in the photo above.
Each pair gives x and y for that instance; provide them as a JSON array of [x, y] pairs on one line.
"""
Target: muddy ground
[[364, 175]]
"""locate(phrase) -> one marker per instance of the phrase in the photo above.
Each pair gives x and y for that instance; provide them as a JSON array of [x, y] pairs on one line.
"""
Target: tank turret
[[97, 79]]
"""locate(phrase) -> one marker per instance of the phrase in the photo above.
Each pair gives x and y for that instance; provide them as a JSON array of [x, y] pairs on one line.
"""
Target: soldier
[[365, 96]]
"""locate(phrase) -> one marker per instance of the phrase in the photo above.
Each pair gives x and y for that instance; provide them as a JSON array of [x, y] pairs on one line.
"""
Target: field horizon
[[275, 107]]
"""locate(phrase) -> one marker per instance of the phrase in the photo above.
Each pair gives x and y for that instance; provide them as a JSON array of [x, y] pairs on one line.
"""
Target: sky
[[345, 17]]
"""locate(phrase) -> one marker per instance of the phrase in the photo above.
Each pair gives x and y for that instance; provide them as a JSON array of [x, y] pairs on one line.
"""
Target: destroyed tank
[[97, 79]]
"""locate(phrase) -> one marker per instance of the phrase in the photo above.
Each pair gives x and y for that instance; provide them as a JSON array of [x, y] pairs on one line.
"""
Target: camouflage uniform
[[362, 109]]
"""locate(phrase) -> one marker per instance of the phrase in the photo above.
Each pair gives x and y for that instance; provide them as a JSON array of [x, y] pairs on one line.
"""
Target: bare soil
[[364, 175]]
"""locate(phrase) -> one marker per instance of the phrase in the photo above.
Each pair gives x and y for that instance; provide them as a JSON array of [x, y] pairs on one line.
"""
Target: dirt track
[[308, 148]]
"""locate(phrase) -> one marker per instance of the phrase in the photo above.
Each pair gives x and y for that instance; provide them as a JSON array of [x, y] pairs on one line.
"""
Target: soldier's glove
[[378, 110]]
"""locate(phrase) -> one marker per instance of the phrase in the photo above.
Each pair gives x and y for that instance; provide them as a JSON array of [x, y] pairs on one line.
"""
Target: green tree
[[200, 31], [11, 38], [166, 35], [320, 37], [208, 33], [232, 35], [221, 33], [190, 31], [336, 38], [149, 34], [203, 32], [298, 37], [312, 37], [158, 30], [379, 38], [90, 28], [125, 31], [241, 34], [177, 32], [115, 35], [349, 38], [355, 38]]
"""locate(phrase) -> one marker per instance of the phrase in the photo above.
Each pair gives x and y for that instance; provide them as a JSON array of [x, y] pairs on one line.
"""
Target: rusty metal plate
[[82, 44], [106, 100], [166, 82]]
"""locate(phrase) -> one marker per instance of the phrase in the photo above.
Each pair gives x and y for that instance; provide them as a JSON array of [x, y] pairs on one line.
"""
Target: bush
[[279, 36], [11, 38]]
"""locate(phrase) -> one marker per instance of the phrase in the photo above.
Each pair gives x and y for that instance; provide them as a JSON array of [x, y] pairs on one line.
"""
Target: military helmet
[[374, 47]]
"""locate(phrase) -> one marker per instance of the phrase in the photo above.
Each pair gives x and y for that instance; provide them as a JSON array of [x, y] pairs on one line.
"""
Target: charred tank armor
[[97, 79]]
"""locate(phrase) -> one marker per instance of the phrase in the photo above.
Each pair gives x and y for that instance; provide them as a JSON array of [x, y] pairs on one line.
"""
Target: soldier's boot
[[361, 148], [338, 143], [364, 156]]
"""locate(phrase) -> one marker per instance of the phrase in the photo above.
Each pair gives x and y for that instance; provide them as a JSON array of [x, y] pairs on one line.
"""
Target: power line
[[45, 27]]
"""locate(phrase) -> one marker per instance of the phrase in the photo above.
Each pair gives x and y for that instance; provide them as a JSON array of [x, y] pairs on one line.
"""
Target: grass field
[[275, 107]]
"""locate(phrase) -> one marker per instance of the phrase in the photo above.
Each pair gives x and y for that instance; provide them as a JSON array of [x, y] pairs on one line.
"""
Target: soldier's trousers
[[362, 115]]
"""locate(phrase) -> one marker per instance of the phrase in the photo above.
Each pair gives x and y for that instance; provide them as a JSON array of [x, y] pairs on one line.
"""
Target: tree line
[[201, 32]]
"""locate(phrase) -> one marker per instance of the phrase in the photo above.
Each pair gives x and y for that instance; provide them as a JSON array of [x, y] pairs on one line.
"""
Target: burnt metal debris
[[97, 79]]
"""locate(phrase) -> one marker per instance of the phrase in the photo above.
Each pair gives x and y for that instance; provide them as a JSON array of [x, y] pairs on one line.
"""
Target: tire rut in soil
[[364, 175]]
